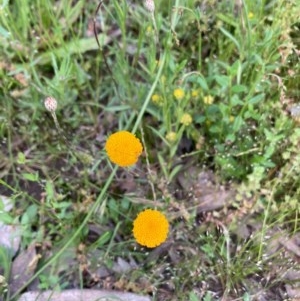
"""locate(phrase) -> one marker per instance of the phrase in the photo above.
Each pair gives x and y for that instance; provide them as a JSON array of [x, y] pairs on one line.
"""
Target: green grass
[[238, 67]]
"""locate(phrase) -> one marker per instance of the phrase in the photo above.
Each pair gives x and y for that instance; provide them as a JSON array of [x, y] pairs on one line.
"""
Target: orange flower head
[[150, 228], [123, 148]]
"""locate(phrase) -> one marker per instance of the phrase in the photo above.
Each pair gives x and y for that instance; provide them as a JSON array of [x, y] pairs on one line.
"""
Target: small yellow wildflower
[[163, 79], [123, 148], [251, 15], [150, 228], [231, 118], [178, 93], [156, 98], [208, 99], [149, 30], [171, 136], [186, 119], [195, 93]]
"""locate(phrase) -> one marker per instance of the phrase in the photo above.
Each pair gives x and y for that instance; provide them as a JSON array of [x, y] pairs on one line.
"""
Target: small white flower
[[50, 104]]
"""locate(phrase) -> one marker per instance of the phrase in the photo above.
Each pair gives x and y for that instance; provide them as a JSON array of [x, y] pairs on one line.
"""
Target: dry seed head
[[150, 6], [50, 104]]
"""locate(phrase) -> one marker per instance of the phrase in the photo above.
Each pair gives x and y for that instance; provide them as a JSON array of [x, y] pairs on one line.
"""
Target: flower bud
[[50, 104], [150, 6]]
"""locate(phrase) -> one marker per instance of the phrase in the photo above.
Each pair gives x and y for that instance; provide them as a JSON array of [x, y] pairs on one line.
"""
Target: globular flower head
[[195, 93], [186, 119], [208, 99], [123, 148], [178, 93], [150, 228], [50, 104], [149, 30], [171, 136], [156, 98], [150, 6]]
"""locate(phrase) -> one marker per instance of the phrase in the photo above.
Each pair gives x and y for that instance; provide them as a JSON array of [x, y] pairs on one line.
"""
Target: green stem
[[144, 107]]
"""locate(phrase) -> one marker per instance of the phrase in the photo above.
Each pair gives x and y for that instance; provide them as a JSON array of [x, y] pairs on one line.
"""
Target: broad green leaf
[[50, 190], [6, 218], [202, 82], [256, 99], [21, 158], [4, 33], [238, 121], [239, 88], [223, 80], [34, 177]]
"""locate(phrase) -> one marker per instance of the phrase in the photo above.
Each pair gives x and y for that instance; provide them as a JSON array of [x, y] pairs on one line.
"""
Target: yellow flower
[[231, 118], [149, 30], [250, 15], [156, 98], [123, 148], [171, 136], [178, 93], [208, 99], [150, 228], [163, 79], [186, 119], [195, 93]]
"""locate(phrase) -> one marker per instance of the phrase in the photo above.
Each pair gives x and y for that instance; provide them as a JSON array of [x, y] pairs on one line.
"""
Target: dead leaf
[[10, 235], [203, 191], [23, 268], [22, 79], [127, 182], [121, 266], [17, 93], [79, 295], [291, 245], [294, 293]]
